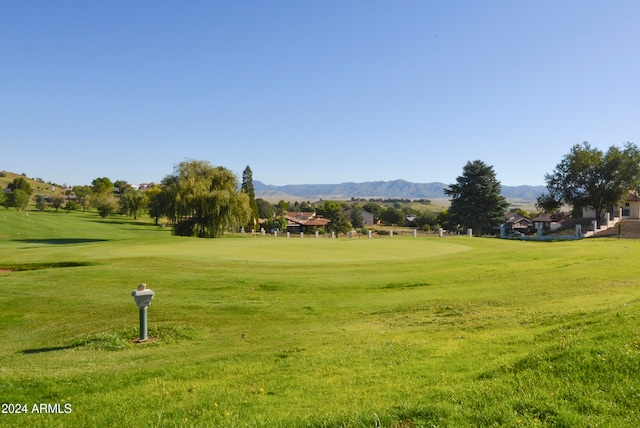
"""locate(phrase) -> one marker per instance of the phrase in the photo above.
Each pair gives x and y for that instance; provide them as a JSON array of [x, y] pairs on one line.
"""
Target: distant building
[[304, 221], [367, 217], [515, 221]]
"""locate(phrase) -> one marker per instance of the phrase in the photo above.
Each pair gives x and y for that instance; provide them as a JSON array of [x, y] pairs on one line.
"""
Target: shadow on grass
[[123, 339], [37, 266], [61, 241], [126, 222], [43, 350]]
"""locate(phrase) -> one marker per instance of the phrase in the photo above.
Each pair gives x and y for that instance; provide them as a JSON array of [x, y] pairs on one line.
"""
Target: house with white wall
[[629, 209]]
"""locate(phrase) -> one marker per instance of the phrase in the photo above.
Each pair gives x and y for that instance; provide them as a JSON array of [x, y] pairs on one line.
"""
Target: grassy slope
[[38, 187], [290, 332]]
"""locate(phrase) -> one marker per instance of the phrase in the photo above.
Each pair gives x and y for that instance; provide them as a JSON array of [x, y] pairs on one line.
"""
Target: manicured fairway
[[263, 331]]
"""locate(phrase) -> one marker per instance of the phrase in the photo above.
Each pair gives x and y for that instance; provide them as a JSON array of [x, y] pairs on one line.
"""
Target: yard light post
[[143, 298]]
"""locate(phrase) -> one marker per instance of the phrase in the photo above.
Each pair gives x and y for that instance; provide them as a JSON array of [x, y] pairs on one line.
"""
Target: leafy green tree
[[265, 209], [132, 202], [282, 207], [587, 177], [105, 204], [442, 220], [548, 204], [158, 202], [41, 203], [3, 197], [392, 215], [476, 199], [71, 205], [18, 199], [279, 223], [248, 189], [356, 218], [83, 196], [206, 200], [333, 212], [21, 184], [102, 185], [20, 194], [120, 186], [426, 219], [57, 201]]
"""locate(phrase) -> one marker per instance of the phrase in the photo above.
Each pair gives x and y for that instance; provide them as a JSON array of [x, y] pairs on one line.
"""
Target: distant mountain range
[[396, 189]]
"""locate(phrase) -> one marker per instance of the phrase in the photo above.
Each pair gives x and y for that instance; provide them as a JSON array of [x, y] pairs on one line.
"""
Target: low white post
[[415, 232], [440, 232], [317, 233], [369, 234], [469, 232]]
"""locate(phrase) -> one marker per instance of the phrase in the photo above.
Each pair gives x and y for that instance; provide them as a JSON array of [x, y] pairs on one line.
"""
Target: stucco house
[[629, 209]]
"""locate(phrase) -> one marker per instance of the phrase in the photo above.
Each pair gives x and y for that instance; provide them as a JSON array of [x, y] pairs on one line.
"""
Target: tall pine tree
[[476, 199], [247, 187]]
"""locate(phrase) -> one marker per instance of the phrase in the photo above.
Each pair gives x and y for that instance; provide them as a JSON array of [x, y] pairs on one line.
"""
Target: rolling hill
[[378, 189]]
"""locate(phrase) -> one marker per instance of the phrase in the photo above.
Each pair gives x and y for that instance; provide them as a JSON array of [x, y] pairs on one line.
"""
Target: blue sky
[[313, 91]]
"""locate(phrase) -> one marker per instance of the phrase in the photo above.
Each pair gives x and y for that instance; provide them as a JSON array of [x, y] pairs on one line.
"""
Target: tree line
[[199, 199]]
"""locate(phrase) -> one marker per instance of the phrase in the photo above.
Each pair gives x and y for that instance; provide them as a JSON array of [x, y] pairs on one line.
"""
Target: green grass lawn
[[263, 331]]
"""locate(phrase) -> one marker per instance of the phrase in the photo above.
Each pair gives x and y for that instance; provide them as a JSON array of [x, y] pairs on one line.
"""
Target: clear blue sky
[[313, 91]]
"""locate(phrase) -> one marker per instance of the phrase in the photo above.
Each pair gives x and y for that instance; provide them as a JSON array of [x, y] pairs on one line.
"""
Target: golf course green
[[286, 332]]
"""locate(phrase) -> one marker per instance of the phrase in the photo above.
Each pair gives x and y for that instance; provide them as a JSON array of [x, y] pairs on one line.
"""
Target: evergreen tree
[[247, 187], [476, 199]]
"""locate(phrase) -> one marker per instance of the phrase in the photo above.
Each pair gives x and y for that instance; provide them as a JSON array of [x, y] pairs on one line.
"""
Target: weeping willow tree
[[205, 200]]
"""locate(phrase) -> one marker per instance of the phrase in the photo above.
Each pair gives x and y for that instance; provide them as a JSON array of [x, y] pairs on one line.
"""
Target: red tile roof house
[[304, 222]]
